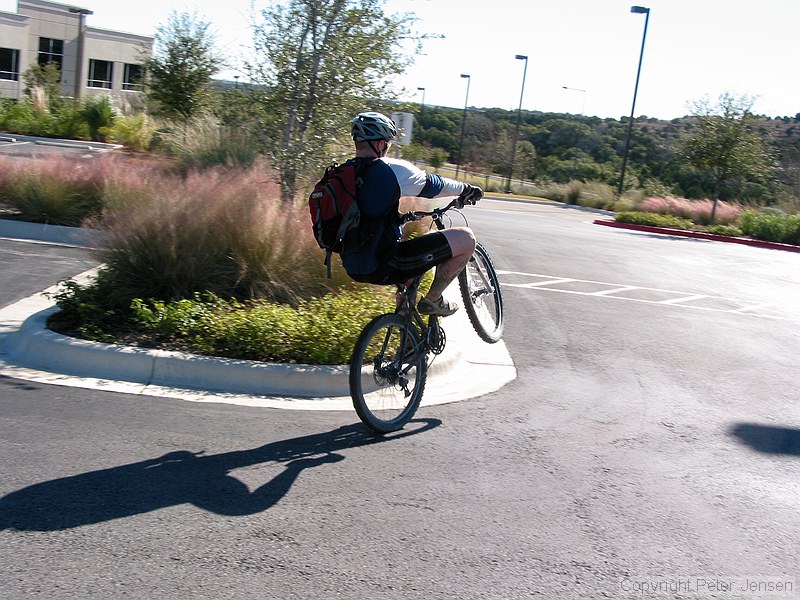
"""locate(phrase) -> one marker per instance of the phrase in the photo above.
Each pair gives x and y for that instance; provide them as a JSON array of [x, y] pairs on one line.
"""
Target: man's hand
[[470, 195]]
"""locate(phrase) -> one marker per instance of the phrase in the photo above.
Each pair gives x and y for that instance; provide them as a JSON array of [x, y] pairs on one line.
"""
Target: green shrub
[[729, 230], [57, 190], [68, 122], [93, 312], [318, 331], [135, 132], [574, 192], [99, 114], [595, 194], [204, 143], [22, 118], [771, 227], [654, 219]]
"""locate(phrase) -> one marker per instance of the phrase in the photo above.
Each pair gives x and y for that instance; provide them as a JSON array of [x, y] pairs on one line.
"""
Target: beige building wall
[[13, 34], [37, 19]]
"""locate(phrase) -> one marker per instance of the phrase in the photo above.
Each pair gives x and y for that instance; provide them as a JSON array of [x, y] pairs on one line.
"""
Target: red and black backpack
[[335, 215]]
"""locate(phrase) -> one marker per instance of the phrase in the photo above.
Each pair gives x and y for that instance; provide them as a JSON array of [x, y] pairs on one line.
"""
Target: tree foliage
[[317, 62], [46, 77], [726, 145], [179, 71]]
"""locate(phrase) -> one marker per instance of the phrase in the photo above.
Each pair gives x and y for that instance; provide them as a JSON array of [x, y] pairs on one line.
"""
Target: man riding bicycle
[[387, 260]]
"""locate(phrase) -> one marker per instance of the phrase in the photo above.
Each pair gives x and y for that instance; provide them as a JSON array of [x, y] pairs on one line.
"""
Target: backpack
[[335, 215]]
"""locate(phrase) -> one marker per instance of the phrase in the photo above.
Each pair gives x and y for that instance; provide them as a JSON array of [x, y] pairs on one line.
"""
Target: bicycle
[[389, 364]]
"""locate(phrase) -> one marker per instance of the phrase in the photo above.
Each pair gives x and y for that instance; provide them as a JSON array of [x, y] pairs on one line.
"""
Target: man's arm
[[413, 181]]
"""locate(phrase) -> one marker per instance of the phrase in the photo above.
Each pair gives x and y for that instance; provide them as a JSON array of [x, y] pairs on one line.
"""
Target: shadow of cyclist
[[768, 439], [181, 477]]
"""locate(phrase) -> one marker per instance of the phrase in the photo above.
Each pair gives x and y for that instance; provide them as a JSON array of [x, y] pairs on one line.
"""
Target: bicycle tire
[[386, 392], [483, 300]]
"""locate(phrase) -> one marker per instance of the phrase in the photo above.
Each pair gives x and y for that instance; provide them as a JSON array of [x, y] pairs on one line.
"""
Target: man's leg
[[462, 245]]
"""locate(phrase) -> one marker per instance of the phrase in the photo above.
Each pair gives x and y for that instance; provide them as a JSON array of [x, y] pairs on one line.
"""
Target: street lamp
[[645, 11], [583, 102], [516, 129], [81, 12], [463, 123], [422, 104]]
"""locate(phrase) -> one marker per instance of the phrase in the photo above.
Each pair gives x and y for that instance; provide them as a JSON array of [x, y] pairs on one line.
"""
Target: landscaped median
[[30, 351], [697, 234]]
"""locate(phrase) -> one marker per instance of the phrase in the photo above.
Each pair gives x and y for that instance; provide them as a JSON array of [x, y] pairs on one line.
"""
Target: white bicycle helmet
[[372, 126]]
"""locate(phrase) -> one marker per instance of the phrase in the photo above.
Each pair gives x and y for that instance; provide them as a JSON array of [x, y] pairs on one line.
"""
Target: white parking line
[[618, 291], [684, 299]]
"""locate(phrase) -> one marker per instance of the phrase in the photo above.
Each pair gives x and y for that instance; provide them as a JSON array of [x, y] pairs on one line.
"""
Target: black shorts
[[412, 257]]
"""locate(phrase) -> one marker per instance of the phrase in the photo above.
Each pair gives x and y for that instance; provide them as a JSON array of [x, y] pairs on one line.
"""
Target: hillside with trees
[[563, 147]]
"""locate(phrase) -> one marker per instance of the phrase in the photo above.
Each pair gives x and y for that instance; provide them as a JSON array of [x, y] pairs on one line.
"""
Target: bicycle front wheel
[[483, 300], [387, 373]]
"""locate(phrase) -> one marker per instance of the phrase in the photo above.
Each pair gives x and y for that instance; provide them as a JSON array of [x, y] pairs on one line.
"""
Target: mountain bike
[[390, 361]]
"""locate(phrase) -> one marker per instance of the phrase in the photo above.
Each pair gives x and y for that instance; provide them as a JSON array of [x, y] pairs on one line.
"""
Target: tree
[[318, 60], [725, 145], [178, 74], [46, 78]]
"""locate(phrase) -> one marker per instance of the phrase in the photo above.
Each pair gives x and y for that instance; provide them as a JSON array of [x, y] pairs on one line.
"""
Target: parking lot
[[12, 144]]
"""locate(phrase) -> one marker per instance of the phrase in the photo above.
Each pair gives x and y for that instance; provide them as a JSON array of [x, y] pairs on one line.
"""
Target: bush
[[93, 312], [729, 230], [698, 211], [772, 227], [58, 191], [654, 220], [595, 194], [135, 132], [318, 331], [99, 114], [21, 118], [204, 143], [68, 122], [574, 192], [219, 231]]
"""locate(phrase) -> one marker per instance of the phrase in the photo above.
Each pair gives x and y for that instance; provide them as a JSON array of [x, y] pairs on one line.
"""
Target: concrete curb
[[54, 234], [36, 347], [28, 350], [698, 235], [60, 143]]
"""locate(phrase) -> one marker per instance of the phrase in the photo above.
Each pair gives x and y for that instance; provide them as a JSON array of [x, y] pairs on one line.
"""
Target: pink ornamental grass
[[699, 211]]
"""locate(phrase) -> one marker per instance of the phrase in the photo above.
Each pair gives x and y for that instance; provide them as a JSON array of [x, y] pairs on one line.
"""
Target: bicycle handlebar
[[418, 215]]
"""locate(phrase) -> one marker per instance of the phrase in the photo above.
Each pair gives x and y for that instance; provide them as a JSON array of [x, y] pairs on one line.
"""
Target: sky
[[694, 49]]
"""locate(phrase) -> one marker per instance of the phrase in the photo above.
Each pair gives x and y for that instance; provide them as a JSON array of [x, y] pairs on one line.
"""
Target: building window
[[100, 73], [132, 78], [9, 64], [51, 51]]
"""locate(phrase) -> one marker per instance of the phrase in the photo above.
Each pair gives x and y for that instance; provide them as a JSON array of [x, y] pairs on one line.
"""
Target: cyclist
[[387, 260]]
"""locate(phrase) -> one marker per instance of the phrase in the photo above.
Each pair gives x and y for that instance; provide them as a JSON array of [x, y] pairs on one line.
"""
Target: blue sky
[[694, 49]]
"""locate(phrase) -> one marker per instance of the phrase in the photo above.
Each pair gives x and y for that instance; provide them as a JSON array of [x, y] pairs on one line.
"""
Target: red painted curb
[[699, 235]]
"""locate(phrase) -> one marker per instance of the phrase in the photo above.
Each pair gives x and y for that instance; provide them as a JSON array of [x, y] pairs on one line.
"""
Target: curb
[[34, 346], [699, 235], [29, 351], [54, 234]]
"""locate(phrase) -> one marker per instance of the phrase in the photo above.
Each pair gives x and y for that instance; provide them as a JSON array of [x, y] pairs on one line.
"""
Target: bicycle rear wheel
[[483, 300], [387, 373]]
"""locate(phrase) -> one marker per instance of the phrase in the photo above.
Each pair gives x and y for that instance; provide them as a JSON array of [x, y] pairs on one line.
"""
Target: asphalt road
[[650, 447]]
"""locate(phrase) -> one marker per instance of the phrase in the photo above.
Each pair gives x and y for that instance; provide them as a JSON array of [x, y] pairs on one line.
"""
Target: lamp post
[[646, 12], [463, 123], [516, 129], [422, 104], [583, 101], [81, 12]]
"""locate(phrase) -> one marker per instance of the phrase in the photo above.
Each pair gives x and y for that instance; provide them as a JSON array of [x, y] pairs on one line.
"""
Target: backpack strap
[[328, 263]]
